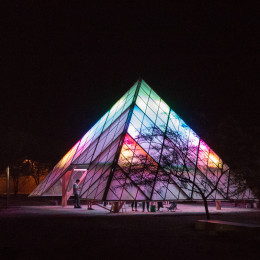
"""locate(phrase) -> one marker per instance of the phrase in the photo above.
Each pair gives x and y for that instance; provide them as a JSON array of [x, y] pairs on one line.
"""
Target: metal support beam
[[228, 184], [196, 166]]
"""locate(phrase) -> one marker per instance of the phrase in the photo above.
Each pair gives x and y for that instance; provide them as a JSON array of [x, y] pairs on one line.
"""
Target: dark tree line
[[26, 167]]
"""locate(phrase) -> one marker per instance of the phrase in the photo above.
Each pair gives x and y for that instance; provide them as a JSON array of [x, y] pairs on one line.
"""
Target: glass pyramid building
[[100, 157]]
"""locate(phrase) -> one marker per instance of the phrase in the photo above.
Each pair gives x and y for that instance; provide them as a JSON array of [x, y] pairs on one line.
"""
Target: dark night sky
[[63, 65]]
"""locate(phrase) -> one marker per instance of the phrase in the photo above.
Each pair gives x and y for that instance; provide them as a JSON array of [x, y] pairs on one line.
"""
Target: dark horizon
[[64, 66]]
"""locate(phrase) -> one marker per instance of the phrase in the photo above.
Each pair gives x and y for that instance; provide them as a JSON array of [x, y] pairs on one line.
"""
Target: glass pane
[[136, 122], [174, 122], [143, 95], [163, 116], [140, 103], [90, 136], [154, 107], [86, 153], [164, 107], [193, 146], [130, 189], [172, 192], [161, 124], [110, 134], [145, 87], [61, 166], [127, 104], [55, 190], [140, 196], [132, 131], [118, 108], [138, 113], [148, 125], [214, 160], [155, 97], [115, 193], [100, 165], [184, 132], [151, 115], [160, 185], [202, 167], [203, 152], [39, 189]]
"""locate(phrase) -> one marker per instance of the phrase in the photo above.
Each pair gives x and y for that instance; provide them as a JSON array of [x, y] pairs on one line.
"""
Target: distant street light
[[7, 186]]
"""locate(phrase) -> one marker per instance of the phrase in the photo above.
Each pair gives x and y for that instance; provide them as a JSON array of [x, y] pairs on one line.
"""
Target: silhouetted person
[[147, 205], [159, 205], [76, 194], [134, 204]]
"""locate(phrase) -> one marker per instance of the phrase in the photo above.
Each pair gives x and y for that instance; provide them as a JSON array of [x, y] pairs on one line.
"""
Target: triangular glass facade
[[110, 158]]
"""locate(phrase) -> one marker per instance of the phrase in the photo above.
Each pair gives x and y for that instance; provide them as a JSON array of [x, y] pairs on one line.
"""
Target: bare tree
[[37, 170], [27, 167], [175, 163], [18, 169]]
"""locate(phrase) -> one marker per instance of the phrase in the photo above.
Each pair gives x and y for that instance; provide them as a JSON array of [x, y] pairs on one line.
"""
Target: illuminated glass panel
[[164, 108], [185, 187], [146, 127], [129, 191], [140, 103], [151, 114], [118, 183], [193, 144], [86, 156], [145, 87], [92, 191], [54, 190], [91, 135], [162, 119], [143, 96], [105, 121], [134, 155], [183, 136], [39, 189], [202, 166], [61, 166], [184, 132], [160, 187], [214, 160], [111, 134], [153, 106], [174, 122], [120, 106], [155, 97], [99, 166], [203, 153], [180, 192], [102, 185], [223, 183], [107, 137], [172, 192]]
